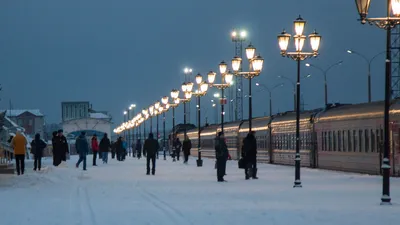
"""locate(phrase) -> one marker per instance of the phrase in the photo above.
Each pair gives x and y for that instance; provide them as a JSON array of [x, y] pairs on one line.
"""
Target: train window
[[334, 141], [360, 137], [366, 140], [348, 141], [329, 141], [354, 140], [326, 141], [339, 141], [322, 142], [373, 143]]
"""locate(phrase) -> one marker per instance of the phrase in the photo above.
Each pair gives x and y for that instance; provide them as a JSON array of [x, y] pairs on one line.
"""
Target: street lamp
[[151, 114], [164, 101], [202, 88], [226, 80], [270, 94], [369, 62], [176, 101], [157, 113], [131, 108], [298, 55], [255, 67], [389, 22], [187, 92], [145, 113], [325, 72]]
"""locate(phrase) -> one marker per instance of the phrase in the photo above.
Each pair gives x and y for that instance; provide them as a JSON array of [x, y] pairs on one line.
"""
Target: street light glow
[[349, 51], [308, 64], [243, 34], [216, 95], [257, 84]]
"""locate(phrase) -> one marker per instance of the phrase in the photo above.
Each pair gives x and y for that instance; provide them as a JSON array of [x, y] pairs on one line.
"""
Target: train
[[341, 137]]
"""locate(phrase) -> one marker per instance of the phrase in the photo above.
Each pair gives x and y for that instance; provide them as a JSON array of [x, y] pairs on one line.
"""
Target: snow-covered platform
[[120, 193]]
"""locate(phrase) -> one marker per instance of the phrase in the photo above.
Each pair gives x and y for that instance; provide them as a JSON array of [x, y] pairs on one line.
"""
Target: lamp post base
[[297, 184], [199, 162]]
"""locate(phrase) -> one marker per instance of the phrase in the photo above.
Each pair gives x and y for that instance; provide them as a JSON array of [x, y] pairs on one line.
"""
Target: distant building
[[79, 116], [32, 120], [74, 110]]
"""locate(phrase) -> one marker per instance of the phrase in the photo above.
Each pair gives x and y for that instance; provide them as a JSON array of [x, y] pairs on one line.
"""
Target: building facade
[[32, 120], [74, 110]]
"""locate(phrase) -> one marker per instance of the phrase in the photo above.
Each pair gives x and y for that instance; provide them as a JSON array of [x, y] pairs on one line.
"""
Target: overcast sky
[[117, 52]]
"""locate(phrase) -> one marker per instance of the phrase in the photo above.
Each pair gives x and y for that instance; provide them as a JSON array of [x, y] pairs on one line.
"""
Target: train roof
[[260, 123], [291, 115], [235, 125], [357, 111]]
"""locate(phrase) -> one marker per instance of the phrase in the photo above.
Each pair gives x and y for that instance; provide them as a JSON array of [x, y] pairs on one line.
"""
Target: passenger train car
[[338, 137]]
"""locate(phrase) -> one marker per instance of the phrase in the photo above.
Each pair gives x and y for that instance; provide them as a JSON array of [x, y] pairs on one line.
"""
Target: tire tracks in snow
[[170, 212], [81, 207]]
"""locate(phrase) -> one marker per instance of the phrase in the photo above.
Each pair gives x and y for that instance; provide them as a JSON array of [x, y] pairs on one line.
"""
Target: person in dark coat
[[249, 154], [186, 146], [138, 148], [113, 149], [119, 148], [56, 150], [63, 145], [105, 146], [82, 147], [151, 147], [221, 154], [177, 147], [95, 149], [37, 147]]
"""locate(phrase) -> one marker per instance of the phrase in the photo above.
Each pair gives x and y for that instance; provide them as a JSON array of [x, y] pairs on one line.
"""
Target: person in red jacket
[[95, 148]]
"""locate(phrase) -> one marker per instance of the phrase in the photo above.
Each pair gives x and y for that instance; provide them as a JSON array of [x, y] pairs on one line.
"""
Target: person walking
[[138, 148], [221, 154], [249, 154], [119, 148], [38, 145], [18, 143], [186, 146], [105, 146], [55, 150], [113, 149], [62, 145], [82, 147], [151, 147], [177, 149], [124, 149], [95, 148]]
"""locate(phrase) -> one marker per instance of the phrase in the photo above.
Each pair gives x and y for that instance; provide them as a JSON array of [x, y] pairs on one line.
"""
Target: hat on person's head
[[60, 131]]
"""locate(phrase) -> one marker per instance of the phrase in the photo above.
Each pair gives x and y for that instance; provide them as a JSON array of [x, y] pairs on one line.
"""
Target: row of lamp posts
[[255, 66]]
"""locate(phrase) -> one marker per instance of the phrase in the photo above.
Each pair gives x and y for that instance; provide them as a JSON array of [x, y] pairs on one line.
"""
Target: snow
[[17, 112], [120, 193], [99, 116]]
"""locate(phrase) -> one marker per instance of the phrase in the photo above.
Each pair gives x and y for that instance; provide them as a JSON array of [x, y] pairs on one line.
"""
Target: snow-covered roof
[[17, 112], [99, 116]]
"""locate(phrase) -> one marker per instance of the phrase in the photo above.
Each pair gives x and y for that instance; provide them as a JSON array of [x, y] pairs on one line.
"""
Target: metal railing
[[6, 153]]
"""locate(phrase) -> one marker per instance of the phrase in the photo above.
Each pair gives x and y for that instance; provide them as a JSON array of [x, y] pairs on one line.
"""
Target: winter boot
[[255, 173]]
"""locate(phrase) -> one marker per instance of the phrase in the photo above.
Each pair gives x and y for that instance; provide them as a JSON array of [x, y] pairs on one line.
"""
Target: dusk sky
[[117, 52]]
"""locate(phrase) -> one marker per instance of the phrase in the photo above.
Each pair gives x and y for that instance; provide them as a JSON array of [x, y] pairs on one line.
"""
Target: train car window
[[322, 142], [326, 141], [360, 137], [366, 140], [334, 140], [344, 141], [354, 140], [348, 141], [373, 142], [339, 141], [329, 141]]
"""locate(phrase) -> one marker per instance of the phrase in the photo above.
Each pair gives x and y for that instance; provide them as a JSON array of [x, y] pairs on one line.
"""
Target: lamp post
[[164, 101], [187, 91], [294, 87], [157, 113], [255, 67], [145, 113], [298, 56], [131, 108], [188, 74], [369, 62], [270, 94], [325, 72], [151, 114], [389, 22], [201, 91], [175, 98], [226, 80], [125, 120]]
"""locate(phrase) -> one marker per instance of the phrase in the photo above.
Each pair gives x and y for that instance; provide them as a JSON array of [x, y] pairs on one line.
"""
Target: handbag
[[242, 163]]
